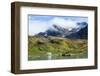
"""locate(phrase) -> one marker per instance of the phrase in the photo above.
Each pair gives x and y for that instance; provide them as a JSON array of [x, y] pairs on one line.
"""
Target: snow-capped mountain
[[59, 31]]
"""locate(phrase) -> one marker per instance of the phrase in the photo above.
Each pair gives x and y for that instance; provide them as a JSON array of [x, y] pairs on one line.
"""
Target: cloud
[[65, 23], [36, 26]]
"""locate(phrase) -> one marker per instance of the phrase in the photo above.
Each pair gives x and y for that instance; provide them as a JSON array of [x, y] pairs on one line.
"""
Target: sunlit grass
[[61, 48]]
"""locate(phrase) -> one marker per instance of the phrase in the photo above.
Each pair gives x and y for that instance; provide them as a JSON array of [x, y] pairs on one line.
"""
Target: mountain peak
[[59, 31]]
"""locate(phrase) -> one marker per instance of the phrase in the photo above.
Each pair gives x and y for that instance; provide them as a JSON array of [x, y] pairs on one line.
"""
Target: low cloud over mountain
[[65, 25], [79, 32]]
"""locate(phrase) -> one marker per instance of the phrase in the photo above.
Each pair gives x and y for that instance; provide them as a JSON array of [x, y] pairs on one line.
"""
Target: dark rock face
[[81, 34]]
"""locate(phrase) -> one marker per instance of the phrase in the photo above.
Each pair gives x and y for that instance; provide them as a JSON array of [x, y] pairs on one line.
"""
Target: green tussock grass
[[38, 46]]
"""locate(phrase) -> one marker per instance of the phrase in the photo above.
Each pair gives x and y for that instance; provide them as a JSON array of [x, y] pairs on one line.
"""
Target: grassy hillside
[[60, 48]]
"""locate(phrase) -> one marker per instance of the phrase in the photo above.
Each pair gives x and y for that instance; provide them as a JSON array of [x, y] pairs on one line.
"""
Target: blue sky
[[42, 23], [46, 18]]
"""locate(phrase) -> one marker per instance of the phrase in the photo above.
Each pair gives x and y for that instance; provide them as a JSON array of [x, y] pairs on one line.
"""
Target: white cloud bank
[[36, 26], [64, 23]]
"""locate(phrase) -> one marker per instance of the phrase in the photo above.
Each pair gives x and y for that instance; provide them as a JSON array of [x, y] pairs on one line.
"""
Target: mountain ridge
[[58, 31]]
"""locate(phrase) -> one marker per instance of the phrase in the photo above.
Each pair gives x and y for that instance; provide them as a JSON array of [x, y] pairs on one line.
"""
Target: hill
[[60, 47]]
